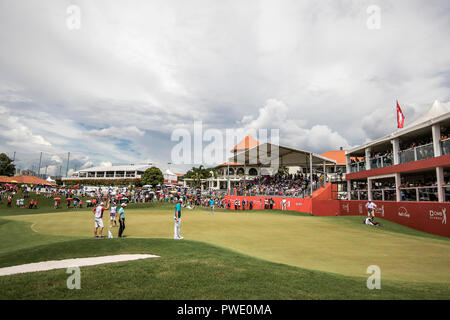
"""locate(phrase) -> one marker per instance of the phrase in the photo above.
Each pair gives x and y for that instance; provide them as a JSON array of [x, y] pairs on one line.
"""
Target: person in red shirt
[[35, 204]]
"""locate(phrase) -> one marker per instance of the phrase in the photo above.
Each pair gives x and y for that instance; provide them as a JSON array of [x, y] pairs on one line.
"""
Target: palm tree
[[283, 170]]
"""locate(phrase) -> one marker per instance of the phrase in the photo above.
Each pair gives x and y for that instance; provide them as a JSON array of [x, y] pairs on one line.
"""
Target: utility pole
[[68, 159], [46, 170], [14, 157], [228, 178], [311, 172], [39, 170], [60, 169]]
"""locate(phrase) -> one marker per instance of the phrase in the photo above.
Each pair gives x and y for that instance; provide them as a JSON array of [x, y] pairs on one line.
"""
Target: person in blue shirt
[[122, 219], [177, 220], [211, 204]]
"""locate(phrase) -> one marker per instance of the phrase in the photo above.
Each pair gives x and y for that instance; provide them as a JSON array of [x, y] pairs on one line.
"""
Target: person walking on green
[[177, 219], [211, 205], [122, 219]]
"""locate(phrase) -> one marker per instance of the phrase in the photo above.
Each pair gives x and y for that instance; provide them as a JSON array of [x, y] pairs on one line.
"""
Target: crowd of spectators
[[292, 185]]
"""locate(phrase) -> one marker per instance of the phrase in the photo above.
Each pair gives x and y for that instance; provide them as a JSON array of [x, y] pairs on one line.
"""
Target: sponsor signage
[[439, 215], [403, 212]]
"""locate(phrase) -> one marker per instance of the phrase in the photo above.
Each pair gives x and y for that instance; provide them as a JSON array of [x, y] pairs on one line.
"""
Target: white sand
[[79, 262]]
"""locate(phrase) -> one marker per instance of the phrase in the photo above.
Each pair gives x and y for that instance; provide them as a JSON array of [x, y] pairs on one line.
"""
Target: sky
[[110, 81]]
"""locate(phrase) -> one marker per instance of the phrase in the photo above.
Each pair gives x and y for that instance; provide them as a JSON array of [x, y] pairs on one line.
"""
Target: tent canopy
[[436, 113], [267, 153]]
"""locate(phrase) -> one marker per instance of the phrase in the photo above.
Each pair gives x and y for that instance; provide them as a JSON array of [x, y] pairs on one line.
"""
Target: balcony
[[419, 194], [417, 153], [445, 146], [386, 194], [380, 162], [357, 166]]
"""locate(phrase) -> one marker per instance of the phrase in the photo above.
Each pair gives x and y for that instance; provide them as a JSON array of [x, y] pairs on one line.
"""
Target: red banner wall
[[430, 217], [293, 204], [426, 216]]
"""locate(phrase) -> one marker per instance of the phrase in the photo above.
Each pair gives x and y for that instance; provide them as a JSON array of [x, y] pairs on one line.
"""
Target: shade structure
[[267, 153]]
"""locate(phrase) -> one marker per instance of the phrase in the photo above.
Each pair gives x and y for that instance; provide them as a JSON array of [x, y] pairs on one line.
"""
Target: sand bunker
[[79, 262]]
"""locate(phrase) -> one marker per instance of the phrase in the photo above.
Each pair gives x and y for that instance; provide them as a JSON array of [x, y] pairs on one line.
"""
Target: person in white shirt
[[283, 204], [112, 215], [371, 222], [371, 208], [98, 215]]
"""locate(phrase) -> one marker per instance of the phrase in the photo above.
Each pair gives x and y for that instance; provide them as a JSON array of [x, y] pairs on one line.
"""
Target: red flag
[[400, 117]]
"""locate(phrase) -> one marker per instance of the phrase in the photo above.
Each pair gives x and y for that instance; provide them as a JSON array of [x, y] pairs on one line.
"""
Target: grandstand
[[406, 173], [109, 172], [410, 164], [253, 163]]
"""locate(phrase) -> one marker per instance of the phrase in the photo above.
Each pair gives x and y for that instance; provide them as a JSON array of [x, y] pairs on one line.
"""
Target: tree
[[7, 168], [152, 176], [283, 170], [197, 174]]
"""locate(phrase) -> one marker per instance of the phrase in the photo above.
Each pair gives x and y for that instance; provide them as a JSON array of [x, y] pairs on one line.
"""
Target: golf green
[[340, 245]]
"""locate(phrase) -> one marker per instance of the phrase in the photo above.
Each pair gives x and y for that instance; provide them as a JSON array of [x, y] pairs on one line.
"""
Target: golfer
[[98, 223], [122, 219], [177, 219], [112, 215], [283, 204], [371, 208], [211, 204]]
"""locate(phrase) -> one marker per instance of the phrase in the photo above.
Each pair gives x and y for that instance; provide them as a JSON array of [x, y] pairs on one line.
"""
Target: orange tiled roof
[[231, 164], [24, 179], [247, 143], [339, 156]]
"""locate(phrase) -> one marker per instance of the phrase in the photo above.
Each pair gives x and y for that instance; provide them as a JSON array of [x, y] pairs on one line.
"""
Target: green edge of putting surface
[[340, 245], [185, 270]]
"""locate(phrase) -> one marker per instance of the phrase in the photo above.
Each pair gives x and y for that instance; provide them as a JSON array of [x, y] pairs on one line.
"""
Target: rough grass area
[[186, 270], [229, 255]]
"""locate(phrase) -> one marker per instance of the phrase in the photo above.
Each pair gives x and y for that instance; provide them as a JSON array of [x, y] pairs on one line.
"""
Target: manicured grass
[[187, 270], [341, 245], [232, 255]]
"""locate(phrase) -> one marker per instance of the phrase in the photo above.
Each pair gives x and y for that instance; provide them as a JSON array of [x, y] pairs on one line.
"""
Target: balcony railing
[[417, 153], [445, 146], [419, 193], [357, 166], [380, 162], [358, 195], [386, 194]]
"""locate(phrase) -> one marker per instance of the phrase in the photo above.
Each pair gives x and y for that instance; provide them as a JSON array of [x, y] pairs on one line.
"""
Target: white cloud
[[138, 72], [117, 132], [56, 159], [16, 134], [276, 114]]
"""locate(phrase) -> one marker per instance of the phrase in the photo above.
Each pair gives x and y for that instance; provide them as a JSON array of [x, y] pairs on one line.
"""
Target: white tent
[[435, 110], [50, 180], [170, 176]]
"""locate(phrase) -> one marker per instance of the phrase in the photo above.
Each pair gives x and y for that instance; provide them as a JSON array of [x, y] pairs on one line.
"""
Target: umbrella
[[13, 181], [57, 199], [69, 199], [124, 198]]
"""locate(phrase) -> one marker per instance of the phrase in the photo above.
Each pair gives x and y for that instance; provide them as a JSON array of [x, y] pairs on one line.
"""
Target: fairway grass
[[186, 270], [339, 245]]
